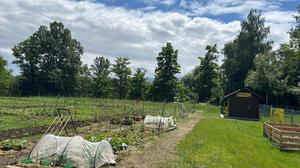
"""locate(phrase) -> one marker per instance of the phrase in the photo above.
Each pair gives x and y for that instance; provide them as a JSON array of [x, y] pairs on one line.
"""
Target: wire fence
[[291, 113], [32, 113]]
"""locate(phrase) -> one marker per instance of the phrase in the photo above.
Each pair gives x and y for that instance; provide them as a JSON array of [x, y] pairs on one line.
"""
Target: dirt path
[[161, 150]]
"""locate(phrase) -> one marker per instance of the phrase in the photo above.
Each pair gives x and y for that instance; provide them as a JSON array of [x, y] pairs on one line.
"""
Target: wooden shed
[[243, 103]]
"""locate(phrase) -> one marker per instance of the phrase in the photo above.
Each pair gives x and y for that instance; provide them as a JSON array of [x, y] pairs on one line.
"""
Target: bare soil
[[162, 150], [33, 134], [30, 131], [153, 153]]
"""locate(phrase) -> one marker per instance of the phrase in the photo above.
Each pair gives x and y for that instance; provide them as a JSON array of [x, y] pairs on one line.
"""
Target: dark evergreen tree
[[207, 73], [138, 85], [122, 72], [85, 81], [165, 82], [101, 80]]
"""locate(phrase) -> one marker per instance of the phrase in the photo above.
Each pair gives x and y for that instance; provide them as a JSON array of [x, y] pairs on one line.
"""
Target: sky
[[137, 29]]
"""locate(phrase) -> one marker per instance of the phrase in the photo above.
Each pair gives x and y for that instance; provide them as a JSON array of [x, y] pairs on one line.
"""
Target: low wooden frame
[[285, 136]]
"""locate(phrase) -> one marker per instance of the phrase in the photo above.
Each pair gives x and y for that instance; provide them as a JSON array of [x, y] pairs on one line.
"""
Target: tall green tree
[[240, 53], [122, 72], [165, 82], [217, 92], [267, 76], [49, 60], [205, 77], [85, 81], [188, 79], [183, 93], [101, 80], [6, 77], [138, 85], [289, 53]]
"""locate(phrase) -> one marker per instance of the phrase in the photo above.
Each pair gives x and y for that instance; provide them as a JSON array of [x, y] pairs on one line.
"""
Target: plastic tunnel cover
[[158, 120], [104, 154], [76, 150]]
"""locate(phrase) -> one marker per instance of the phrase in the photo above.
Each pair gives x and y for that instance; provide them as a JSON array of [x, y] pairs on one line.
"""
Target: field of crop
[[36, 111], [21, 118]]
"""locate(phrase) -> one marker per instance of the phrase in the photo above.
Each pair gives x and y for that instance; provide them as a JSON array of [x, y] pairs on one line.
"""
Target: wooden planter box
[[285, 136]]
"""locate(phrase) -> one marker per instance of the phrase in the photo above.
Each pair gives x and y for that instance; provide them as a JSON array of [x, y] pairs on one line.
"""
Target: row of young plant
[[15, 105], [134, 135]]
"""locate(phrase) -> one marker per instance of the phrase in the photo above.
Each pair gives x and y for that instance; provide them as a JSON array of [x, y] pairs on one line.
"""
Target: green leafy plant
[[16, 144], [46, 162], [117, 142], [68, 165], [96, 138], [26, 160]]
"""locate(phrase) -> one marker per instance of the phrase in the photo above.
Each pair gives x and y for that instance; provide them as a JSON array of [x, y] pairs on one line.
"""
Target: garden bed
[[285, 136]]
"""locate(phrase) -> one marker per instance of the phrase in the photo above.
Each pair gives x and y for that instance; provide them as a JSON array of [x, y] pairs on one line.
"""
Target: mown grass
[[232, 143], [209, 110]]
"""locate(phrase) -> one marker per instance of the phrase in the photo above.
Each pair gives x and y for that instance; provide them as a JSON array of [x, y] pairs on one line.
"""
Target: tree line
[[50, 64], [249, 61]]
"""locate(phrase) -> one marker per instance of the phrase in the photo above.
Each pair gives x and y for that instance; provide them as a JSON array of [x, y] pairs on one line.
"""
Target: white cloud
[[148, 8], [279, 17], [168, 2], [217, 7], [280, 23], [115, 31], [164, 2]]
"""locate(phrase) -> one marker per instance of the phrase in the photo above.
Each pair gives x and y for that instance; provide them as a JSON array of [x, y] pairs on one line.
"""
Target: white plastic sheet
[[164, 122], [76, 150]]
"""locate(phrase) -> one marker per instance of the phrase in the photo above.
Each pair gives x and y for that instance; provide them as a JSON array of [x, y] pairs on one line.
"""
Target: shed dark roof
[[245, 88]]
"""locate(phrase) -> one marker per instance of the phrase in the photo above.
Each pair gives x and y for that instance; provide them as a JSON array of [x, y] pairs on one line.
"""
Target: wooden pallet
[[285, 136], [60, 122]]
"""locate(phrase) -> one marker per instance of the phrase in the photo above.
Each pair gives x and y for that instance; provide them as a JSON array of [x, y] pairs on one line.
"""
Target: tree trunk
[[267, 98]]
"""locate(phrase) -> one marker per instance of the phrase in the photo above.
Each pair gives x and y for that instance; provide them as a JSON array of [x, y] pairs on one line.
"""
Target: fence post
[[270, 137], [280, 145], [271, 109]]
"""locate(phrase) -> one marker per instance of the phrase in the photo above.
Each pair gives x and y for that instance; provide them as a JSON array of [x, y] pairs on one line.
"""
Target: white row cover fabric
[[80, 152], [156, 120]]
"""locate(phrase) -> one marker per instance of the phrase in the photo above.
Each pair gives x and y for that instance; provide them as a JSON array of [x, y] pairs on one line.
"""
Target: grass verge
[[231, 143]]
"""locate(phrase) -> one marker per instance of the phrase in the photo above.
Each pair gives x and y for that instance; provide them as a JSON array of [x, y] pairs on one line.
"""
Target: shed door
[[244, 107]]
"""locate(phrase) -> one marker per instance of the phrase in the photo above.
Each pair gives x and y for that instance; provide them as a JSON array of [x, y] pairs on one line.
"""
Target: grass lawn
[[230, 143]]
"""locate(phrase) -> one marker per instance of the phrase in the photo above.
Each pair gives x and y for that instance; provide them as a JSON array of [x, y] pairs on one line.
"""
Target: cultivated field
[[25, 112], [23, 120]]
